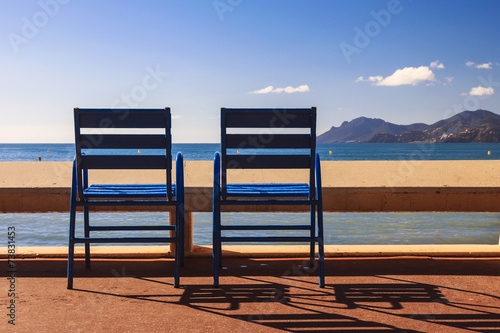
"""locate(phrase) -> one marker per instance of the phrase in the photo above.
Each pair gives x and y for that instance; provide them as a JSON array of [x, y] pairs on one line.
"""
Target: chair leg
[[219, 249], [312, 256], [216, 250], [178, 250], [71, 244], [86, 224], [219, 235], [181, 228], [321, 247], [219, 244]]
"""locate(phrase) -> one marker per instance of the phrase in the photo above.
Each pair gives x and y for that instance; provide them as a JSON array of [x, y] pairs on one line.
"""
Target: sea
[[327, 151], [51, 229]]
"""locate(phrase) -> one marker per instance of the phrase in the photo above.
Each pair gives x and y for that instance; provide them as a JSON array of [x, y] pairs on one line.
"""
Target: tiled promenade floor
[[362, 295]]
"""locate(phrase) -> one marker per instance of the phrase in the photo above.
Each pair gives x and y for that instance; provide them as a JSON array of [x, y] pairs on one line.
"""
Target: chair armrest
[[317, 164], [216, 176], [76, 191], [85, 180], [179, 177], [79, 180]]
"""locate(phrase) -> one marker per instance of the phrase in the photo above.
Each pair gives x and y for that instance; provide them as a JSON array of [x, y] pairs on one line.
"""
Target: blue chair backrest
[[256, 139], [101, 134]]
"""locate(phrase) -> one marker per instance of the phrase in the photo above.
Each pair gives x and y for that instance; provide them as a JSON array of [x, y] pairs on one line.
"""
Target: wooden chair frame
[[299, 194], [92, 134]]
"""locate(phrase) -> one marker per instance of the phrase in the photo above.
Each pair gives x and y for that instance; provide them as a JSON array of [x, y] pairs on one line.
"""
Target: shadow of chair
[[393, 293], [125, 139], [281, 307], [268, 139], [231, 297]]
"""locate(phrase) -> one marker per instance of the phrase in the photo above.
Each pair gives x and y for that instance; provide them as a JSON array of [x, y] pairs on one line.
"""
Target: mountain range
[[466, 126]]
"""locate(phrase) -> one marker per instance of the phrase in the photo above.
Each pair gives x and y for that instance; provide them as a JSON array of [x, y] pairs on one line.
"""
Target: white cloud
[[464, 94], [481, 91], [370, 79], [437, 64], [377, 78], [265, 90], [176, 116], [405, 76], [449, 79], [486, 65], [288, 90], [408, 75]]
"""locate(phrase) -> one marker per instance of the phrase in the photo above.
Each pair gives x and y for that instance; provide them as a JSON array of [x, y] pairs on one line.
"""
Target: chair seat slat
[[132, 227], [123, 118], [127, 191], [270, 118], [268, 161], [269, 239], [268, 190], [121, 141], [258, 141], [265, 227], [126, 240], [124, 162]]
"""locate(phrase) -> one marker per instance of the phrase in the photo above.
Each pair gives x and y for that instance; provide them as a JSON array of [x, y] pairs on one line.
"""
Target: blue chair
[[98, 147], [255, 151]]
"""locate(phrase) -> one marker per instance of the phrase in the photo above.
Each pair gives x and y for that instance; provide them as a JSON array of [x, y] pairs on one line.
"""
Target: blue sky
[[403, 61]]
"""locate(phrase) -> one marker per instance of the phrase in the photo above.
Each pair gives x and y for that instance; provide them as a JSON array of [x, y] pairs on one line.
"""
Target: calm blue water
[[339, 151], [50, 229]]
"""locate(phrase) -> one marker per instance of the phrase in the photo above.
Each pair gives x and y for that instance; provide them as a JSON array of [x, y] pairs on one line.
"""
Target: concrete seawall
[[348, 186]]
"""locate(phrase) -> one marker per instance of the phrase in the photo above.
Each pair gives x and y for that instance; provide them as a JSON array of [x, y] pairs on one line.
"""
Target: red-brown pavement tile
[[362, 295]]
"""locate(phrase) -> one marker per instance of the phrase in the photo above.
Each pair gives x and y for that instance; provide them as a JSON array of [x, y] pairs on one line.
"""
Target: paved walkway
[[269, 295]]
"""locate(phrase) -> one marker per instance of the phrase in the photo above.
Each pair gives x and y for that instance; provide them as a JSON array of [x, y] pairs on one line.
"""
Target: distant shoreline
[[480, 126], [328, 152]]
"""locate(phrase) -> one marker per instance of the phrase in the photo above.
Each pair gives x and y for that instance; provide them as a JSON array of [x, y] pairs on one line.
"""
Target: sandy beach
[[334, 174], [358, 186]]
